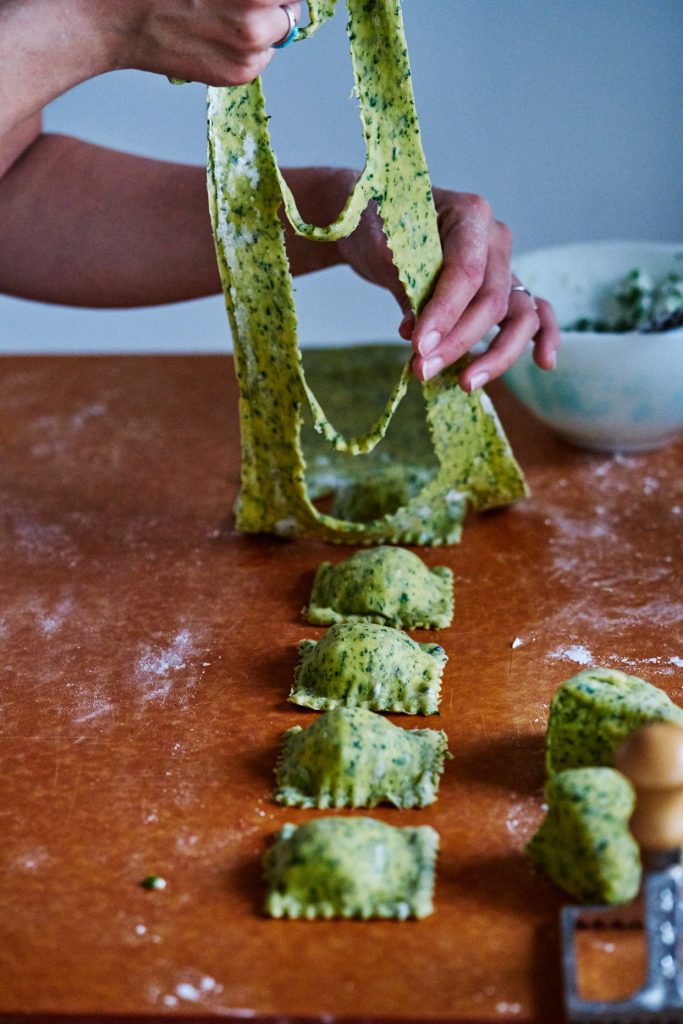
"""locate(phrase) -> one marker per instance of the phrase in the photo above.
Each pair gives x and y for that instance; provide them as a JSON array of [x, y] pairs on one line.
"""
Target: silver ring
[[292, 31], [521, 288]]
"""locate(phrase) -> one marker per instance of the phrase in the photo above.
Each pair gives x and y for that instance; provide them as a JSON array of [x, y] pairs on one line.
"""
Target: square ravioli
[[357, 664], [350, 757], [595, 710], [387, 585], [351, 867]]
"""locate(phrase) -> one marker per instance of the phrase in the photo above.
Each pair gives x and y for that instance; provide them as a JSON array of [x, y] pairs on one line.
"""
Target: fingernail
[[430, 367], [431, 341], [552, 361], [478, 380]]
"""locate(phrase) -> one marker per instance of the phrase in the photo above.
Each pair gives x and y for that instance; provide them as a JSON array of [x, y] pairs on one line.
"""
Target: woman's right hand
[[218, 42]]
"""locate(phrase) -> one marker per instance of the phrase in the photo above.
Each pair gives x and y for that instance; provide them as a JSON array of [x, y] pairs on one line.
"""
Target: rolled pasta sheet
[[351, 757], [351, 867], [246, 192], [390, 586], [369, 666]]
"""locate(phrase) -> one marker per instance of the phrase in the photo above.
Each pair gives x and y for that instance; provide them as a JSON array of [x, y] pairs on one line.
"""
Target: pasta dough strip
[[245, 196]]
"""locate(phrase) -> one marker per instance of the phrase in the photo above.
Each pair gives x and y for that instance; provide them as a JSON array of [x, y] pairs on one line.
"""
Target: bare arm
[[47, 46], [88, 226]]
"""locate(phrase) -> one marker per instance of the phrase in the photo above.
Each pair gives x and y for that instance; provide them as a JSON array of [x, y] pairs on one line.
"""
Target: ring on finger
[[292, 30], [522, 288]]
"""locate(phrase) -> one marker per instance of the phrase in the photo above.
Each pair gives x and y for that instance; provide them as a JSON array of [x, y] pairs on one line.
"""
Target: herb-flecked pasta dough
[[584, 843], [594, 711], [351, 867], [358, 664], [246, 190], [385, 585], [351, 757]]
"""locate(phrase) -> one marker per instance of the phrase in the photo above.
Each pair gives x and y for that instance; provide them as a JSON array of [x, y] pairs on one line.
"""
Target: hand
[[219, 42], [472, 294]]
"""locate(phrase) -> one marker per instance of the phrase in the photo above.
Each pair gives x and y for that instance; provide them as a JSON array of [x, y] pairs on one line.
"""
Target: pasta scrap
[[351, 757], [369, 666], [351, 867], [584, 843], [474, 460], [385, 585], [594, 711]]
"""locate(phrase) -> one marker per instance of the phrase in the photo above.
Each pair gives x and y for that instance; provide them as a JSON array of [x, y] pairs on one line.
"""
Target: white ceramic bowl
[[609, 392]]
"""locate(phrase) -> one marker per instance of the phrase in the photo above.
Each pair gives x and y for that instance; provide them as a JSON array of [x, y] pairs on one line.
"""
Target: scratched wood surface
[[147, 651]]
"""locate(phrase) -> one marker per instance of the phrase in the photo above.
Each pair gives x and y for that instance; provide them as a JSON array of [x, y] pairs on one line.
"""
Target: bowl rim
[[606, 245]]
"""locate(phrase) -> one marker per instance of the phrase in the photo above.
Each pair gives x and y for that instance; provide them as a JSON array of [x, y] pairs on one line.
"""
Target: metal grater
[[660, 1000], [652, 757]]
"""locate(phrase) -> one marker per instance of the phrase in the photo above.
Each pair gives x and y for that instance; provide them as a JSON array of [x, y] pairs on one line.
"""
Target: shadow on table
[[514, 763]]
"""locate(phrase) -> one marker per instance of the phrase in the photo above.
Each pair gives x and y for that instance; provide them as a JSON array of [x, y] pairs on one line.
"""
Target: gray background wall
[[565, 114]]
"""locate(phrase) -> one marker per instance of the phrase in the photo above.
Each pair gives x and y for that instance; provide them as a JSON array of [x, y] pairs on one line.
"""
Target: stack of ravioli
[[584, 843], [353, 757]]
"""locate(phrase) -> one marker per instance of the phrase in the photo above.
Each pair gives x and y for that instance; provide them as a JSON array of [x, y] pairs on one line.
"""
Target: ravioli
[[474, 459], [351, 757], [380, 668], [584, 844], [351, 867], [385, 585], [594, 711]]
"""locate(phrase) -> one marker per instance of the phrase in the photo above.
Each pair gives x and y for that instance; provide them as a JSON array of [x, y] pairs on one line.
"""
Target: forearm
[[87, 226], [46, 46]]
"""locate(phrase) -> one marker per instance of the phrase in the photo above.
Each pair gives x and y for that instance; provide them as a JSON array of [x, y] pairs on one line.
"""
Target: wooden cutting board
[[147, 652]]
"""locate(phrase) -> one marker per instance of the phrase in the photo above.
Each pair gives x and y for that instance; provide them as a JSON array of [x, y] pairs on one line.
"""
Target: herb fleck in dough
[[351, 757], [584, 843], [365, 665], [595, 710], [385, 585], [351, 867]]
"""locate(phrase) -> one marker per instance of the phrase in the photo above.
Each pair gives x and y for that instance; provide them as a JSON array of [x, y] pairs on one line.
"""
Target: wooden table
[[147, 651]]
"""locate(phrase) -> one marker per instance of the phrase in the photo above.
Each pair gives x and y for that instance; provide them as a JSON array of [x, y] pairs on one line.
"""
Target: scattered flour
[[99, 707], [517, 642], [521, 820], [156, 667], [188, 992], [32, 860], [576, 653]]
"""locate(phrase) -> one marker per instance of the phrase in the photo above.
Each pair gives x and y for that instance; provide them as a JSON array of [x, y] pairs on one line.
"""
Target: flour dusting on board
[[195, 991], [158, 667], [577, 653]]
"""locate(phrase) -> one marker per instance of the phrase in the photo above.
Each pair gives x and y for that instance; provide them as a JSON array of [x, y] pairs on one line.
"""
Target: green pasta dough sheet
[[386, 585], [351, 757], [470, 460], [595, 710], [357, 664], [351, 867], [584, 844]]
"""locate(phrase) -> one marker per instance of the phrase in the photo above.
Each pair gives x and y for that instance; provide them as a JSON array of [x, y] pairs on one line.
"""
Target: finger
[[465, 237], [488, 308], [516, 331], [281, 16], [547, 339], [258, 30]]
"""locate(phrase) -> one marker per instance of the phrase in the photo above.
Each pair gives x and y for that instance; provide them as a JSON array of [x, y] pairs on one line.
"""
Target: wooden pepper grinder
[[652, 758]]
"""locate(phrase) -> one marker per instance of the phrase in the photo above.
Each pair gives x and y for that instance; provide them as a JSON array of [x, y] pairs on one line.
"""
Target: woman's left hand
[[471, 297]]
